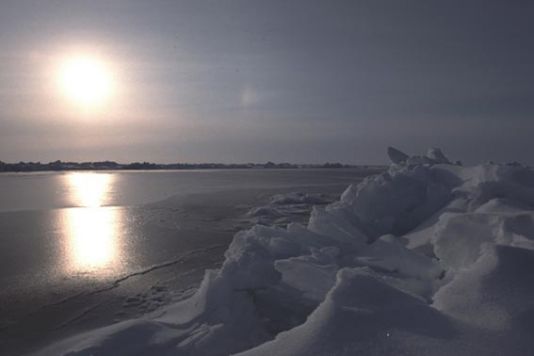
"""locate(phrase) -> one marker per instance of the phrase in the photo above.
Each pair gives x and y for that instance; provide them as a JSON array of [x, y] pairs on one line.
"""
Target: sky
[[251, 81]]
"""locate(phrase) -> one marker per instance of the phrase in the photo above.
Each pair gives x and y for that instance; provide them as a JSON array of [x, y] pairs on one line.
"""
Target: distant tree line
[[111, 165]]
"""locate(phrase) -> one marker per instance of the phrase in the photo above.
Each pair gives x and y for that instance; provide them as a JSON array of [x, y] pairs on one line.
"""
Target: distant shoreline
[[59, 166]]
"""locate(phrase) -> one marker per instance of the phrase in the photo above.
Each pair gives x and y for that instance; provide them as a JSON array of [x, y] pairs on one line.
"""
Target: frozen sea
[[83, 249]]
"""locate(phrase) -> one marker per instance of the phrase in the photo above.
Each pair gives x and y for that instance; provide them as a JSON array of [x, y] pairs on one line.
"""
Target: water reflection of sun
[[92, 230], [90, 189]]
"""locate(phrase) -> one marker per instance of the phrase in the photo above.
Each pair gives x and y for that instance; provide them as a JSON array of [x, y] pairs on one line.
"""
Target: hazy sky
[[299, 81]]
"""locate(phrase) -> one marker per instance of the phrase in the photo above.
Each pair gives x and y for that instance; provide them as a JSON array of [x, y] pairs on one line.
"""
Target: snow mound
[[283, 209], [428, 258]]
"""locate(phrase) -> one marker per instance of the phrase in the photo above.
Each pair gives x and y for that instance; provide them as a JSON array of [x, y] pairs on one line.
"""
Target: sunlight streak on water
[[92, 243], [90, 189]]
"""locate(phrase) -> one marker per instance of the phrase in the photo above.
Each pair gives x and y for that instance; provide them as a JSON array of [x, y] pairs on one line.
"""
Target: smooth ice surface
[[79, 250], [428, 258]]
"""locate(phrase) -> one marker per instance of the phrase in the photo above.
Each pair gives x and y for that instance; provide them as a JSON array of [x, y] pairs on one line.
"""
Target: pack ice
[[428, 258]]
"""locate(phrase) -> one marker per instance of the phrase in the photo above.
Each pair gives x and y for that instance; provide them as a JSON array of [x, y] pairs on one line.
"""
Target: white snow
[[285, 208], [428, 258]]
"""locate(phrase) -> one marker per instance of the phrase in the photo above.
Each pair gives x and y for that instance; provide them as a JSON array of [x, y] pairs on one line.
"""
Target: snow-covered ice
[[285, 208], [428, 258]]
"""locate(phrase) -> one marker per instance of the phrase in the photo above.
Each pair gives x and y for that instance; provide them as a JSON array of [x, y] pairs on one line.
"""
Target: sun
[[85, 80]]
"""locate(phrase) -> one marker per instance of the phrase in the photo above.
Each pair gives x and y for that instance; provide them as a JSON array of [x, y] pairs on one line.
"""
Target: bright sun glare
[[86, 80]]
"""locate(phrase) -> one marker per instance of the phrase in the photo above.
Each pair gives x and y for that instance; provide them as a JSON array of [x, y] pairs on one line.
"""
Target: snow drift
[[428, 258]]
